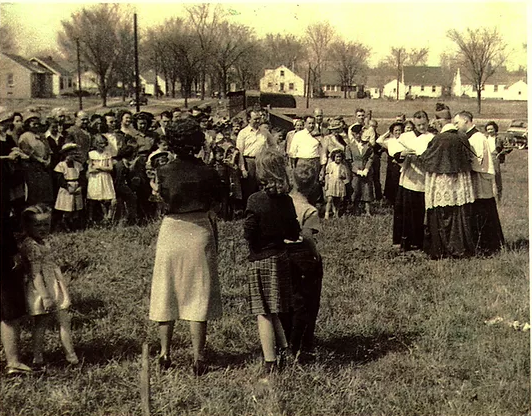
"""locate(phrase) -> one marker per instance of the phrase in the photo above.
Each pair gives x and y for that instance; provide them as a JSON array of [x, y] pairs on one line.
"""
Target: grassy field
[[397, 334]]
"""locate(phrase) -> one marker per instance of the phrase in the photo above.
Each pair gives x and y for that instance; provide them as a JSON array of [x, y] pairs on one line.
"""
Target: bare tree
[[287, 50], [204, 19], [397, 59], [97, 30], [233, 41], [318, 37], [349, 59], [418, 56], [480, 51], [249, 67]]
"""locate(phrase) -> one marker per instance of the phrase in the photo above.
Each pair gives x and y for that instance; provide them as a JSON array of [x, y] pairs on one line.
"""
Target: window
[[61, 83], [434, 88], [70, 83], [281, 86], [291, 86], [410, 88], [495, 88], [282, 73], [10, 80], [422, 88], [270, 84]]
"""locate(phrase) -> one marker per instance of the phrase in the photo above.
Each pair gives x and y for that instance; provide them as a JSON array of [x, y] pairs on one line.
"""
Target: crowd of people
[[442, 180]]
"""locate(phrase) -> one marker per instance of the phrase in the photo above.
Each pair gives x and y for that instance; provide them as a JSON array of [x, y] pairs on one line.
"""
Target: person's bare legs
[[267, 336], [65, 332], [10, 341], [165, 336], [198, 332]]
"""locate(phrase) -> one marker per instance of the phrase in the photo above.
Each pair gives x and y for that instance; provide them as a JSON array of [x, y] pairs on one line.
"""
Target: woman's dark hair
[[394, 125], [184, 136], [492, 123], [304, 179], [127, 152], [120, 115], [271, 172]]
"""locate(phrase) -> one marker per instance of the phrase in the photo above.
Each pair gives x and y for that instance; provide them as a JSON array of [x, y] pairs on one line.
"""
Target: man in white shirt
[[308, 152], [487, 226], [250, 142]]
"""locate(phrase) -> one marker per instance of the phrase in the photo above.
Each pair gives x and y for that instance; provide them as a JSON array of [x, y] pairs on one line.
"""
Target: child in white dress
[[100, 188], [69, 201], [336, 179], [46, 288]]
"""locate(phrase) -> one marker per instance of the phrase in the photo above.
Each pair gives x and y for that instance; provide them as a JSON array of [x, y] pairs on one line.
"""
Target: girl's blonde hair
[[271, 172]]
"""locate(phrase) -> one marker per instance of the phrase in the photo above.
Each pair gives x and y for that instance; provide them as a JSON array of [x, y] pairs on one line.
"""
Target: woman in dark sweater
[[185, 281], [270, 221]]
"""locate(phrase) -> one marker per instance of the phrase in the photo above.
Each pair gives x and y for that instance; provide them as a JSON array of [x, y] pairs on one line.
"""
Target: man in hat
[[79, 134], [486, 224], [449, 193], [320, 127], [37, 169]]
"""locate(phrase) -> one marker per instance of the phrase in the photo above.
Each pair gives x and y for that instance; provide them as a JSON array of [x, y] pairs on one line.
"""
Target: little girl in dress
[[336, 179], [46, 288], [100, 188], [69, 201]]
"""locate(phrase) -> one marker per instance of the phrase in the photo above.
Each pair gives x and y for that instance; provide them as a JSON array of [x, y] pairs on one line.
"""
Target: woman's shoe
[[164, 362], [72, 359], [19, 370]]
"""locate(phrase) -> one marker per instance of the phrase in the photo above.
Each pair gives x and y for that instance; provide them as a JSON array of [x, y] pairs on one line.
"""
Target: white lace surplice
[[443, 190]]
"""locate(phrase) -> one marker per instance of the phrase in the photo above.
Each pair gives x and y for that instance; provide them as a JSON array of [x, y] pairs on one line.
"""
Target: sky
[[380, 25]]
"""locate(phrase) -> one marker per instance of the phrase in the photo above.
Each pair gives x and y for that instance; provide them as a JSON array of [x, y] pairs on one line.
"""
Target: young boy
[[306, 271]]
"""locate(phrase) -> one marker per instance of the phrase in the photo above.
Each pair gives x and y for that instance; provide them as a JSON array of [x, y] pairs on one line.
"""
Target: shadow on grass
[[517, 245], [360, 349], [86, 309], [224, 359]]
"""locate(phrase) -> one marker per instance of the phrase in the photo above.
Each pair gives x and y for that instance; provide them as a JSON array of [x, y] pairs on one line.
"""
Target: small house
[[62, 78], [19, 78], [282, 80]]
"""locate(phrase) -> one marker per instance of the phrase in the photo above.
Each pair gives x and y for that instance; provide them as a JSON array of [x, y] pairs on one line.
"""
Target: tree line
[[205, 47]]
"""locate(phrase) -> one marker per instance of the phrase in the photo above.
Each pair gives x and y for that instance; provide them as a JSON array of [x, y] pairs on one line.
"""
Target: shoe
[[19, 370], [270, 368], [164, 362], [200, 368], [72, 359]]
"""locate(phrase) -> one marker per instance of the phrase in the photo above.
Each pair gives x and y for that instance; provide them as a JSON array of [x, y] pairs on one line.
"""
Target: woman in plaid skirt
[[270, 220]]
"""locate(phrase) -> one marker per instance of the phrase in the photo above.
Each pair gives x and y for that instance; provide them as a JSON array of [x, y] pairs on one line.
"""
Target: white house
[[500, 86], [62, 78], [417, 81], [517, 91], [147, 82], [390, 90], [282, 80]]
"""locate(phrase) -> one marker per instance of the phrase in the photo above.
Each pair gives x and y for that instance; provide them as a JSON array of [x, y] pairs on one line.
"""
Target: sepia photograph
[[265, 208]]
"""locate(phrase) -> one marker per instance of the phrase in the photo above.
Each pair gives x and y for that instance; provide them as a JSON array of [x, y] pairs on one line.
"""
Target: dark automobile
[[143, 100], [517, 133]]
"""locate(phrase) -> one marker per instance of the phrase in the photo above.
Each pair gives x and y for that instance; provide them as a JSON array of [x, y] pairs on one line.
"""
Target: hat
[[67, 147], [335, 124], [31, 114], [6, 116]]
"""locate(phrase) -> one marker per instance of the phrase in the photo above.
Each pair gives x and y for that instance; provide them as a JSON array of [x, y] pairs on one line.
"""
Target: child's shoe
[[72, 359]]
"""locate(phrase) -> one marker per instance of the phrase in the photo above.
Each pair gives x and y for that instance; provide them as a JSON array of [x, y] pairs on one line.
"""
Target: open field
[[397, 334]]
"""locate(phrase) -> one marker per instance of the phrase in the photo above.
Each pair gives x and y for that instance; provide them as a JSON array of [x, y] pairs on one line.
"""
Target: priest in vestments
[[449, 194]]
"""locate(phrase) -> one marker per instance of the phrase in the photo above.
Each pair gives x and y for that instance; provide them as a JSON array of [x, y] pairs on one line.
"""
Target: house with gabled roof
[[63, 79], [148, 82], [19, 78], [418, 82], [331, 85], [501, 85], [282, 80]]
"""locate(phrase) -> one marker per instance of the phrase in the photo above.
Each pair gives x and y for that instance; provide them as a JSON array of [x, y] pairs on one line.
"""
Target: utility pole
[[308, 86], [137, 75], [79, 76]]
